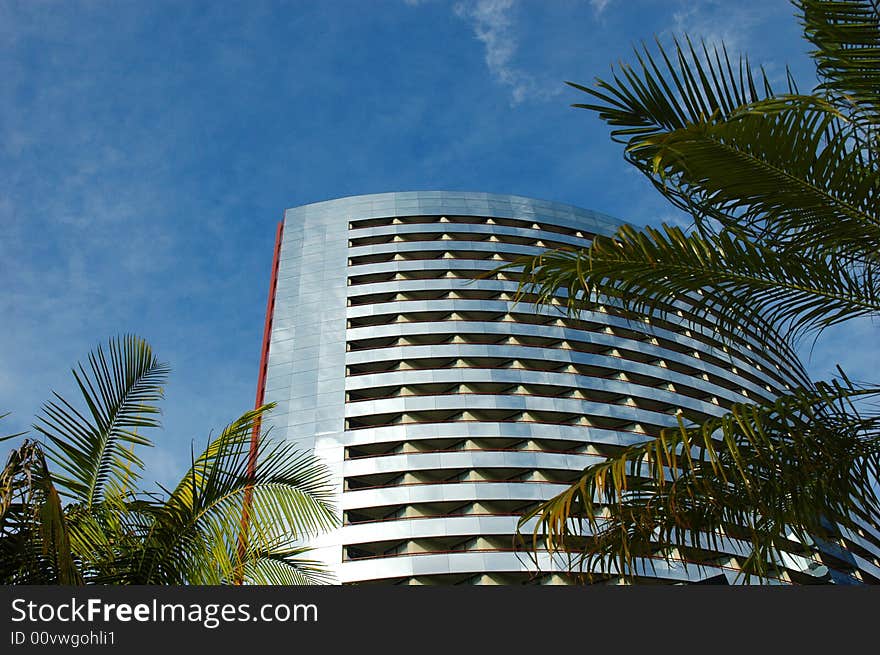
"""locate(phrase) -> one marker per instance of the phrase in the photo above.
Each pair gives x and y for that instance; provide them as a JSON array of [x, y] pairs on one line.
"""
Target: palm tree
[[109, 532], [784, 191]]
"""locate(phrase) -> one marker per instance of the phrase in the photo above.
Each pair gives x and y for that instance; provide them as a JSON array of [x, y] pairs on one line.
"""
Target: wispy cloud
[[599, 5], [494, 27], [717, 22], [743, 28]]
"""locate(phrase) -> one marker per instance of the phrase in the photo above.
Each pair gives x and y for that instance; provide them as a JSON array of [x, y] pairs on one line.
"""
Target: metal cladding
[[444, 408]]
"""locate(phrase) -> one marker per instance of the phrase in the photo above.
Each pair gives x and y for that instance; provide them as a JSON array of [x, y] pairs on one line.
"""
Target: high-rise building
[[444, 407]]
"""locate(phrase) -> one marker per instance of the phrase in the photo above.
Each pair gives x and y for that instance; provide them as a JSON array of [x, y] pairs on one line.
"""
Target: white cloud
[[599, 5], [717, 22], [494, 27]]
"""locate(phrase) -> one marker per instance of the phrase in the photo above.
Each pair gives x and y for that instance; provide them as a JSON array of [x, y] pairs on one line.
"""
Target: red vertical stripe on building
[[261, 391], [270, 309]]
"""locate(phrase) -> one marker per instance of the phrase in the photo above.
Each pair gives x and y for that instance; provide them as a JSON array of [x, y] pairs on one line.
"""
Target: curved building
[[445, 409]]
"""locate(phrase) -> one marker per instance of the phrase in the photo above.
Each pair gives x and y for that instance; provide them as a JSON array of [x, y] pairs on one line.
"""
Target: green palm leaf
[[768, 477], [199, 525], [780, 167], [775, 173], [847, 55], [673, 91], [737, 284], [92, 447], [283, 563]]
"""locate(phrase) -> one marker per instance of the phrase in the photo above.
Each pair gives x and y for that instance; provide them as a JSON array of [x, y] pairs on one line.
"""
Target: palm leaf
[[673, 91], [774, 173], [776, 167], [35, 547], [282, 563], [769, 477], [847, 55], [92, 446], [740, 285], [199, 525]]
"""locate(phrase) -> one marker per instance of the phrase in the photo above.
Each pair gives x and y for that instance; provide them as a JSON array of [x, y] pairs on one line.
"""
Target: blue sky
[[148, 149]]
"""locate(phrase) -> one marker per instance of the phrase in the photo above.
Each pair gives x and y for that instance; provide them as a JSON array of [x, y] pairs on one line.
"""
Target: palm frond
[[92, 446], [767, 477], [774, 173], [283, 563], [672, 91], [200, 522], [847, 55], [35, 547], [8, 437], [776, 167], [739, 285]]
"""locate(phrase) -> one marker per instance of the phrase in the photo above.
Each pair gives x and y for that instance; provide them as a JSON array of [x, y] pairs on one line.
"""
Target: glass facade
[[445, 407]]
